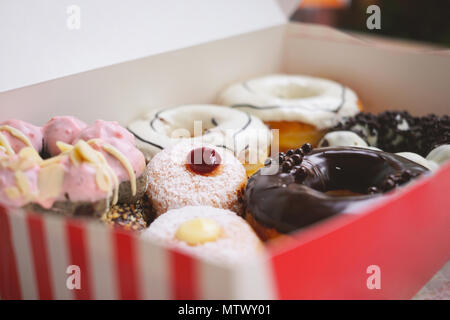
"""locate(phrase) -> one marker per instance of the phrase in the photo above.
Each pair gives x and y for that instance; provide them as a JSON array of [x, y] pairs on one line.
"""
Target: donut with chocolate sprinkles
[[399, 131], [326, 182]]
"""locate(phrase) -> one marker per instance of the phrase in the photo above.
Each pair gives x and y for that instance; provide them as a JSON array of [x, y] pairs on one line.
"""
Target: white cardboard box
[[36, 249]]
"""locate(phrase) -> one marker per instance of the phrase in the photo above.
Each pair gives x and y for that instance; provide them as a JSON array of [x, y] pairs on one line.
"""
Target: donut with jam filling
[[311, 185], [195, 174], [398, 131]]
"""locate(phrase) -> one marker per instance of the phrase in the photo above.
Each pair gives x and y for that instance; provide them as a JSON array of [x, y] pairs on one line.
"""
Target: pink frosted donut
[[109, 131], [213, 234], [19, 178], [80, 181], [32, 134], [175, 183], [103, 134], [77, 181], [78, 184], [64, 129], [90, 167]]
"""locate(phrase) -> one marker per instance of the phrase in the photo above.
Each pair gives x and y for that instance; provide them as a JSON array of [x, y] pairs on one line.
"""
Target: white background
[[36, 44]]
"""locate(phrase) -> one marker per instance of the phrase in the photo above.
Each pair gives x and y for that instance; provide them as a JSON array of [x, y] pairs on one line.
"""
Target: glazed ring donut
[[234, 130], [301, 107], [194, 174], [216, 235], [94, 167], [311, 185]]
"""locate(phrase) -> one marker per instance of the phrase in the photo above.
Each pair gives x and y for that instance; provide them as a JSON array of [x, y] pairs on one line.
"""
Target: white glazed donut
[[342, 139], [440, 155], [234, 130], [315, 101], [430, 165], [213, 234]]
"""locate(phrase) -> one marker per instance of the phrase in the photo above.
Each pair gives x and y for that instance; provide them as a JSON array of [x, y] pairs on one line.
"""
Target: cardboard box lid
[[41, 42]]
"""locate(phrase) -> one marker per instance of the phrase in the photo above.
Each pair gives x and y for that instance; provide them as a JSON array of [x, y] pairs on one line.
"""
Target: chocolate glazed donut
[[300, 193]]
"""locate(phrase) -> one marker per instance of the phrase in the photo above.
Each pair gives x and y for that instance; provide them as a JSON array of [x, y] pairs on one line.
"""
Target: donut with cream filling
[[212, 234]]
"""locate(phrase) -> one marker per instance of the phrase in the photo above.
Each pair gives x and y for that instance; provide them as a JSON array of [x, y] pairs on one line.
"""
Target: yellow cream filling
[[198, 231]]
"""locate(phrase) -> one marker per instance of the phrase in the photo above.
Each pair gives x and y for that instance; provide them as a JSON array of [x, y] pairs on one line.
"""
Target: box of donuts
[[290, 162]]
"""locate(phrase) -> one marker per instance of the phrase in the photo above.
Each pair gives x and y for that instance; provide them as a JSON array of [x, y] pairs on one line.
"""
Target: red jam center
[[203, 160]]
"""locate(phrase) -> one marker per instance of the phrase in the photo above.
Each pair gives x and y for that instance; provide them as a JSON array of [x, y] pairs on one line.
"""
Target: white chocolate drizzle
[[16, 133], [125, 163], [5, 144], [27, 157], [83, 152]]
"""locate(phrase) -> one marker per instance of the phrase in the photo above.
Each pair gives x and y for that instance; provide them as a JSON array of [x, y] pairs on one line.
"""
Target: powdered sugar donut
[[213, 234], [301, 107], [244, 135], [191, 173]]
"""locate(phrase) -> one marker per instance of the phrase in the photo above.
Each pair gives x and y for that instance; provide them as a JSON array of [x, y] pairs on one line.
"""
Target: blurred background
[[426, 22]]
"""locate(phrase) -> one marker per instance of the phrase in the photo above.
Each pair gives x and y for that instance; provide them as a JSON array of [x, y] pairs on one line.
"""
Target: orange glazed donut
[[302, 108]]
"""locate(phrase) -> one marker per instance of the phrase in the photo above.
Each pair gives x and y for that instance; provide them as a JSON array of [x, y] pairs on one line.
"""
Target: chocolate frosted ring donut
[[311, 185]]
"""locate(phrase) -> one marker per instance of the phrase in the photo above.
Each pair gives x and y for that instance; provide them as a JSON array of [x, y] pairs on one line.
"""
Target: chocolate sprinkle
[[307, 148], [297, 158], [398, 131]]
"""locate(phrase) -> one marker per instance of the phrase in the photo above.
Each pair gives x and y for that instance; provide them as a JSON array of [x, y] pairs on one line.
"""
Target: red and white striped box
[[406, 235]]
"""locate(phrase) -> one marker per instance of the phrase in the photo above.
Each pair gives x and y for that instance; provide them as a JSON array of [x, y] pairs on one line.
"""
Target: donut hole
[[346, 172], [288, 90], [348, 178]]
